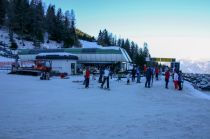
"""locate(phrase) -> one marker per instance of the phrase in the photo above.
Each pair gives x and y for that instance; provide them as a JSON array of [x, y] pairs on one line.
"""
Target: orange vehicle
[[43, 65]]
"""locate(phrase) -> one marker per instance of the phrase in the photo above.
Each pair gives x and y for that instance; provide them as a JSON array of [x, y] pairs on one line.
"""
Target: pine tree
[[132, 50], [37, 21], [68, 41], [146, 50], [126, 46], [59, 26], [3, 5], [100, 38], [50, 22]]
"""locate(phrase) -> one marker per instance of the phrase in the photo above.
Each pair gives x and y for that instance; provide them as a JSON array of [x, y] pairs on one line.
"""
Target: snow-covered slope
[[62, 109], [86, 44], [4, 38], [195, 66]]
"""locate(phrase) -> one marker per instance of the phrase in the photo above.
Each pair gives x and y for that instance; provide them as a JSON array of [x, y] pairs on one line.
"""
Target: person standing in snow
[[176, 80], [87, 78], [180, 80], [148, 75], [156, 73], [128, 78], [101, 72], [167, 76], [153, 73], [145, 69], [106, 78], [133, 74], [138, 75], [84, 73]]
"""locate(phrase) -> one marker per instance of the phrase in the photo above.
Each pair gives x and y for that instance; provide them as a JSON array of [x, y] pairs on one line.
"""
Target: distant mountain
[[195, 66]]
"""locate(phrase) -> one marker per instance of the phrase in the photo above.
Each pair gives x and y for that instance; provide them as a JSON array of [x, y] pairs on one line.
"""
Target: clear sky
[[172, 28]]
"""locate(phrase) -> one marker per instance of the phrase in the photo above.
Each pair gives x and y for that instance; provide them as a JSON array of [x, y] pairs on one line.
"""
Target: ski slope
[[63, 109]]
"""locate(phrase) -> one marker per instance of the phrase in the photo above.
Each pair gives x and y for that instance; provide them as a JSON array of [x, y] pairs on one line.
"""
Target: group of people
[[103, 77], [149, 73], [177, 79]]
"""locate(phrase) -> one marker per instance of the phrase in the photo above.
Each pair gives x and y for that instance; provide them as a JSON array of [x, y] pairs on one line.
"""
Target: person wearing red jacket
[[87, 78], [156, 72], [167, 76]]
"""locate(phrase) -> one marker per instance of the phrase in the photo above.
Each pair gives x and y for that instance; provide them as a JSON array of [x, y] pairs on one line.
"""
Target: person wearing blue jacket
[[148, 77], [180, 80]]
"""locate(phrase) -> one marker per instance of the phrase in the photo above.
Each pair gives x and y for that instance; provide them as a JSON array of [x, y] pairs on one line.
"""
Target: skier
[[128, 78], [145, 69], [87, 78], [176, 80], [153, 73], [156, 72], [106, 78], [148, 75], [180, 80], [101, 72], [133, 74], [138, 75], [94, 73], [84, 73], [167, 76]]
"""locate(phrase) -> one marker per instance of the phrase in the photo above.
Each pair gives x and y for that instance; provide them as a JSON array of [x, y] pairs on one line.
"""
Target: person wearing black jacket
[[148, 77]]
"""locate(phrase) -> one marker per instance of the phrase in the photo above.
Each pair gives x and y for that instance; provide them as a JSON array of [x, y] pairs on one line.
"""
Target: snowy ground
[[62, 109]]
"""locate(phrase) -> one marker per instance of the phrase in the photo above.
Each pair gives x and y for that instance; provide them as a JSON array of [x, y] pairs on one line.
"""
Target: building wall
[[64, 66]]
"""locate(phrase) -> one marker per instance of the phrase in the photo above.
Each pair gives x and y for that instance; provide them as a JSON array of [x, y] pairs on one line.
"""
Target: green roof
[[70, 50]]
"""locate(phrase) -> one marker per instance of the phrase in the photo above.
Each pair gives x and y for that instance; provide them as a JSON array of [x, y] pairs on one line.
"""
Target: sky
[[172, 28]]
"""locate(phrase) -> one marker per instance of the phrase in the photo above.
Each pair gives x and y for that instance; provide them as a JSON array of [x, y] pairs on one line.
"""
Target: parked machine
[[45, 68]]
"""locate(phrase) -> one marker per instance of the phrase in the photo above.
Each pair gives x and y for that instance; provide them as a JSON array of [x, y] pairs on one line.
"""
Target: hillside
[[4, 40]]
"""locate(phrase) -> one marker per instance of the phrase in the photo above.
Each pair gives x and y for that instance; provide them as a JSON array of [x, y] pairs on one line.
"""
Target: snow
[[61, 108], [195, 92], [86, 44], [5, 59], [4, 37]]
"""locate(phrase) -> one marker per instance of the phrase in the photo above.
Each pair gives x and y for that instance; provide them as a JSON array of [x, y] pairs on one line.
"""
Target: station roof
[[71, 50], [56, 56]]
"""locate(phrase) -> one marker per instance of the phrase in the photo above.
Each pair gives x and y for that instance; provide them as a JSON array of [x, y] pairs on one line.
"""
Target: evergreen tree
[[146, 50], [132, 51], [126, 46], [50, 22], [20, 19], [59, 30], [68, 41], [3, 5], [106, 39], [100, 38], [37, 21]]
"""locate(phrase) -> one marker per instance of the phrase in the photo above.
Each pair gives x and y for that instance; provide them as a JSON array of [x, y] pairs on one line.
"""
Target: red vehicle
[[43, 65]]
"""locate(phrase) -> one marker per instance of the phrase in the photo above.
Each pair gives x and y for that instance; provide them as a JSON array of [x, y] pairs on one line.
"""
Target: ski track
[[35, 109]]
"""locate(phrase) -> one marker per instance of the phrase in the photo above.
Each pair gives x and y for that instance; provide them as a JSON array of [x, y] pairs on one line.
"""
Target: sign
[[163, 59]]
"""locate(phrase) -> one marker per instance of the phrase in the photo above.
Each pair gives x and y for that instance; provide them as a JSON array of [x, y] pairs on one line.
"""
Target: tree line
[[136, 53], [32, 22]]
